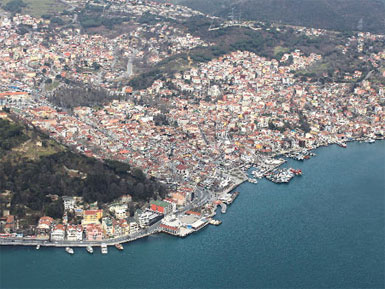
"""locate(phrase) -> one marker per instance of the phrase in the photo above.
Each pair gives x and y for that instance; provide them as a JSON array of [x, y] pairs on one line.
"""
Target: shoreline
[[130, 238]]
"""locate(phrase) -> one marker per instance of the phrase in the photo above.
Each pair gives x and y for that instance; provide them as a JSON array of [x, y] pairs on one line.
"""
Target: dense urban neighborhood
[[200, 132]]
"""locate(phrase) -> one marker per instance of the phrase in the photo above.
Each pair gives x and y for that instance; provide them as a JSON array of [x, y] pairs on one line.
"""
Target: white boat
[[104, 249], [119, 247], [69, 250], [89, 249], [37, 247]]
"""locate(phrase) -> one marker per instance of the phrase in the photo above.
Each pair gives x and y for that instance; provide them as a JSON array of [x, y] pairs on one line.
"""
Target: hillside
[[365, 15], [33, 168]]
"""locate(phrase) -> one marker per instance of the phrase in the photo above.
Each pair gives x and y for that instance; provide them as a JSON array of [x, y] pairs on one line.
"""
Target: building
[[161, 207], [169, 229], [148, 217], [91, 217], [44, 223], [74, 232], [125, 199], [120, 211], [58, 233], [108, 226], [94, 232], [134, 227], [69, 203], [10, 224]]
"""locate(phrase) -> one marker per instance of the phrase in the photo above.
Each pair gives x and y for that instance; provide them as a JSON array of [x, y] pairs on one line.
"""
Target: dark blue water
[[323, 230]]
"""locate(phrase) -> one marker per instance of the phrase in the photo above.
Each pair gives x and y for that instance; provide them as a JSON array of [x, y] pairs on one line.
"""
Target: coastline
[[154, 229]]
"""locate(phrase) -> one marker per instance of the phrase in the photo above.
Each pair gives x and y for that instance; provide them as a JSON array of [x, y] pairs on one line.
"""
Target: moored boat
[[89, 249], [37, 247], [119, 247], [104, 249], [69, 250]]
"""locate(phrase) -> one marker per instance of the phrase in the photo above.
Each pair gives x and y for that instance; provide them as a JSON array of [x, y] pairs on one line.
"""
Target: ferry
[[89, 249], [119, 247], [104, 249], [69, 250], [37, 247]]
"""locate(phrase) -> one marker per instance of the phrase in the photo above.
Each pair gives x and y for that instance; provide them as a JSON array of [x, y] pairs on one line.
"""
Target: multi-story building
[[91, 217], [74, 232], [58, 233]]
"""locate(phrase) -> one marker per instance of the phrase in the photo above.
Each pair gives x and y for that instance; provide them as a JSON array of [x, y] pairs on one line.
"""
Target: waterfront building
[[58, 233], [134, 227], [149, 217], [94, 232], [91, 217], [10, 224], [74, 232]]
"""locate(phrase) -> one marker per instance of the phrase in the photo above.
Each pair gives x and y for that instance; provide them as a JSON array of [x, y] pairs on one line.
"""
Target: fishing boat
[[69, 250], [89, 249], [104, 249], [119, 247]]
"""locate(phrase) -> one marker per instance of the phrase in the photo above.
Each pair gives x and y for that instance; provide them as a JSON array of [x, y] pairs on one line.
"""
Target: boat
[[215, 222], [89, 249], [104, 249], [37, 247], [253, 181], [119, 247], [342, 145], [69, 250], [371, 141]]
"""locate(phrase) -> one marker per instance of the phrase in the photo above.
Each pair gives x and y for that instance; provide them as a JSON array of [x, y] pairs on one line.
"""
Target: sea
[[325, 229]]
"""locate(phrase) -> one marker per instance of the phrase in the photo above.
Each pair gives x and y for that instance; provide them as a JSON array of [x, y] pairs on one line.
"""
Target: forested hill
[[33, 166], [342, 15]]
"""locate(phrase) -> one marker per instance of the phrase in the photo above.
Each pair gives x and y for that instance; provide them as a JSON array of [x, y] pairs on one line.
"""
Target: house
[[45, 223], [74, 232], [94, 232], [120, 210], [91, 217], [58, 232], [125, 199], [10, 224]]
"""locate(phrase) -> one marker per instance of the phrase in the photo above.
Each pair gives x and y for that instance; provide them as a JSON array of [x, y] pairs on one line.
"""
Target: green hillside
[[365, 15]]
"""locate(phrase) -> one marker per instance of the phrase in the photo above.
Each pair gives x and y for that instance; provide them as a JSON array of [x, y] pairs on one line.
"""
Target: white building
[[69, 203], [74, 232], [58, 233]]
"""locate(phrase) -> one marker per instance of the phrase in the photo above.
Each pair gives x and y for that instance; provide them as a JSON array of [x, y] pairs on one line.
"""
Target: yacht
[[89, 249], [37, 247]]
